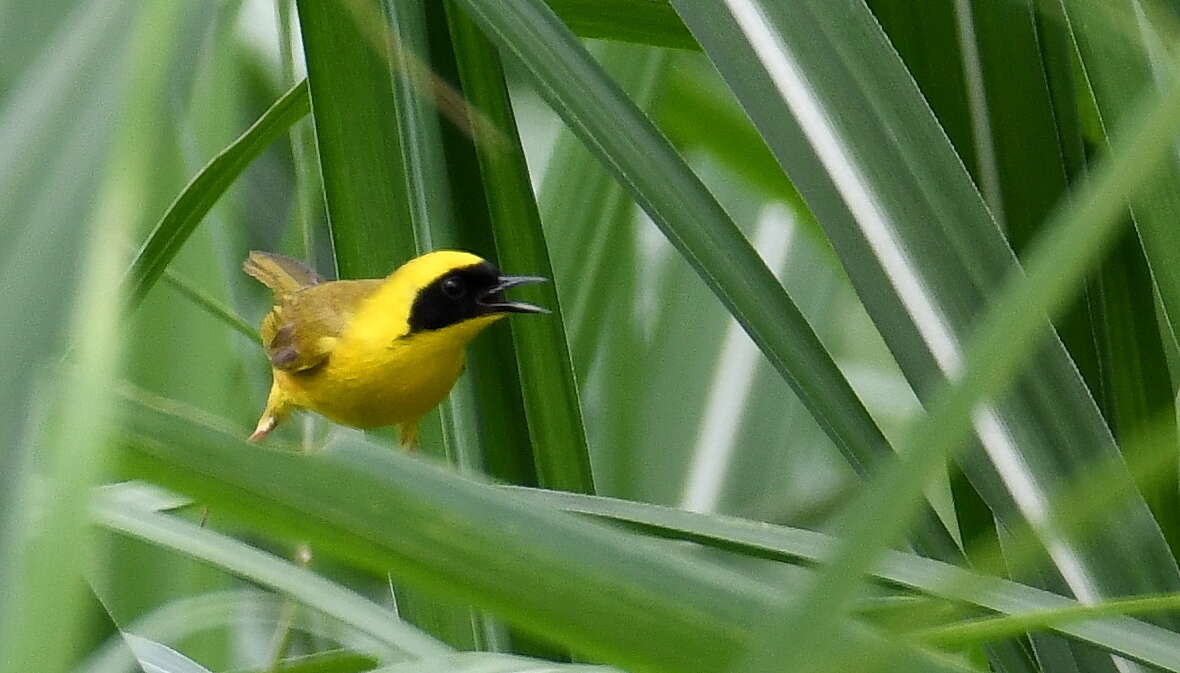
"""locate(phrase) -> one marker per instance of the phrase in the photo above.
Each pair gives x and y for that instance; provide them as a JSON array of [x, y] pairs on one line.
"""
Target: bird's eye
[[453, 287]]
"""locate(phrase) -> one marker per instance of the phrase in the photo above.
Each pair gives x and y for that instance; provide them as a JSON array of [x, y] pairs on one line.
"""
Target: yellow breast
[[377, 375]]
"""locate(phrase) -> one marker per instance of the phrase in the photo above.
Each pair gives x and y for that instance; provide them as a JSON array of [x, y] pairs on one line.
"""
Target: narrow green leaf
[[63, 419], [115, 510], [1135, 386], [647, 21], [990, 628], [605, 593], [1008, 333], [181, 623], [331, 661], [211, 305], [550, 394], [643, 161], [417, 57], [868, 155], [1131, 638], [480, 662], [1120, 45], [484, 426], [998, 110], [49, 120], [586, 213], [356, 134], [199, 196], [159, 658]]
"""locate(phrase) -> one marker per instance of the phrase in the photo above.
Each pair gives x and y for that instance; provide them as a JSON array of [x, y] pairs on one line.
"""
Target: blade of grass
[[50, 122], [583, 209], [994, 628], [643, 161], [925, 279], [1131, 638], [381, 171], [194, 202], [428, 169], [550, 394], [998, 111], [1010, 331], [332, 661], [43, 611], [159, 658], [180, 621], [1129, 337], [470, 558], [1116, 68], [211, 305], [356, 135], [647, 21], [114, 511], [1137, 388], [601, 592], [481, 662]]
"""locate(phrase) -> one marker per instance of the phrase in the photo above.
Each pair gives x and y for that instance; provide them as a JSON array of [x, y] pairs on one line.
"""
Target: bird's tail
[[282, 274], [277, 407]]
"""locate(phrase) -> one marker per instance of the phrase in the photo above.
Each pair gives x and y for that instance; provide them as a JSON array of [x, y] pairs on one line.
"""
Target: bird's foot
[[265, 425]]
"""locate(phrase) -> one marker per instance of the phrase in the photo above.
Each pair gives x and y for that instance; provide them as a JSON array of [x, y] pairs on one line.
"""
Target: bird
[[376, 352]]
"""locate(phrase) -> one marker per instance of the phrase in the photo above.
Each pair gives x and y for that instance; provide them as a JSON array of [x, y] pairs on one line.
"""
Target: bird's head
[[459, 291]]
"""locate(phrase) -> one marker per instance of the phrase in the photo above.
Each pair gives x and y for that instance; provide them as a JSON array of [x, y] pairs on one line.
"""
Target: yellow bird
[[372, 353]]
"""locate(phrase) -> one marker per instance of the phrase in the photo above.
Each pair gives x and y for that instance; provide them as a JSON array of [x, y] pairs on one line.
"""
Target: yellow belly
[[371, 385]]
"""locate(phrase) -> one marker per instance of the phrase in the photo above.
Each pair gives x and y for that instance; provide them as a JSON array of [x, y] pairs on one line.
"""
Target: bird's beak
[[494, 297]]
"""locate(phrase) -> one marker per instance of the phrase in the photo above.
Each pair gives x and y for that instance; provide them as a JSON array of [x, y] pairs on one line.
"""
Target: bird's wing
[[301, 330]]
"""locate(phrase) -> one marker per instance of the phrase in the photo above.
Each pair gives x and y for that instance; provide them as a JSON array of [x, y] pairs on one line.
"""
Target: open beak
[[494, 297]]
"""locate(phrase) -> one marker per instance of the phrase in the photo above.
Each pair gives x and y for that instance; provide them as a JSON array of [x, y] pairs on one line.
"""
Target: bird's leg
[[276, 409], [265, 425], [409, 436]]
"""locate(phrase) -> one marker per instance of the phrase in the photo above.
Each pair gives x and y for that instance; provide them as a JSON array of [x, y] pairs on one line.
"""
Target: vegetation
[[862, 353]]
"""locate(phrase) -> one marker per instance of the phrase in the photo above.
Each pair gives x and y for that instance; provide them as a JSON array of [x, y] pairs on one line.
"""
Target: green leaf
[[1028, 606], [1119, 46], [647, 21], [1008, 333], [1001, 627], [484, 427], [199, 196], [331, 661], [383, 173], [479, 662], [999, 111], [587, 215], [158, 658], [606, 594], [62, 289], [119, 510], [924, 255], [551, 400], [211, 305], [179, 623], [424, 99], [356, 135], [559, 577], [1136, 389], [644, 162]]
